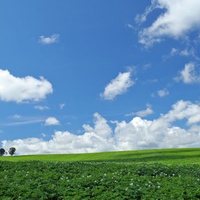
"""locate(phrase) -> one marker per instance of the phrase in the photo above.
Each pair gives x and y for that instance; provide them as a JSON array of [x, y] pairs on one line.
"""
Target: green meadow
[[162, 174], [164, 156]]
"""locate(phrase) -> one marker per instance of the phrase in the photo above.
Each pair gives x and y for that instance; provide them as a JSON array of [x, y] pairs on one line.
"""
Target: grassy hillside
[[164, 156]]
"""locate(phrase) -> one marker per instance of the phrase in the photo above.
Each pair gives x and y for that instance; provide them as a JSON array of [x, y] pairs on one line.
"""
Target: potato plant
[[98, 180]]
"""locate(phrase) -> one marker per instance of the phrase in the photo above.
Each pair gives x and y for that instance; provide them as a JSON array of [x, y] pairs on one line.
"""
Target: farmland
[[146, 174]]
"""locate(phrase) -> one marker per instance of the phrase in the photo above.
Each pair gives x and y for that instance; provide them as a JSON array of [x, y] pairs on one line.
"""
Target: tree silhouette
[[2, 152], [12, 150]]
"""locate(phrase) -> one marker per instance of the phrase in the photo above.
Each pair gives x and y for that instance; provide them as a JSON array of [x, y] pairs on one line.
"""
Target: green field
[[165, 156], [165, 174]]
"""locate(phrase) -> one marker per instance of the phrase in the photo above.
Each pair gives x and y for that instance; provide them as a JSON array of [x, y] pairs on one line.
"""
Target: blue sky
[[92, 76]]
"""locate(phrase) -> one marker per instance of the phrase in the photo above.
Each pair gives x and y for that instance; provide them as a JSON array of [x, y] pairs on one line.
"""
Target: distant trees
[[12, 150], [2, 151]]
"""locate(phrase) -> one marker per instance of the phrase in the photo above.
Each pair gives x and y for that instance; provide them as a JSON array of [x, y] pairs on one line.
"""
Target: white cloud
[[15, 116], [184, 110], [101, 127], [189, 74], [51, 121], [41, 107], [185, 52], [178, 18], [143, 17], [174, 51], [23, 89], [23, 121], [142, 113], [49, 40], [117, 86], [162, 93], [136, 134]]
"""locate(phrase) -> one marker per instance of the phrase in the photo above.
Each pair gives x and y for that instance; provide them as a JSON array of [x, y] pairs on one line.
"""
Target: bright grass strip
[[164, 156]]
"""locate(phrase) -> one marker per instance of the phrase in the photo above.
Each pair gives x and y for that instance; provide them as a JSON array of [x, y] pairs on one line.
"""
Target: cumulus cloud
[[101, 127], [135, 134], [184, 110], [49, 40], [189, 74], [23, 89], [51, 121], [178, 18], [117, 86]]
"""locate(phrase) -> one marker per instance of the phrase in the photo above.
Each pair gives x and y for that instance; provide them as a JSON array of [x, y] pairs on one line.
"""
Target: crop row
[[98, 180]]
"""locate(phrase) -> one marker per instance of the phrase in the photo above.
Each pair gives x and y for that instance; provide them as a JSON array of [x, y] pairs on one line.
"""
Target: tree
[[12, 150], [2, 152]]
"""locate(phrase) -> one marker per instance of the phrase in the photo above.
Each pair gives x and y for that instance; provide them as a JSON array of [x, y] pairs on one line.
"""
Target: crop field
[[147, 174]]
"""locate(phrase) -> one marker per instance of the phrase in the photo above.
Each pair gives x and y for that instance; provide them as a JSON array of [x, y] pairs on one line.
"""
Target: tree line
[[11, 151]]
